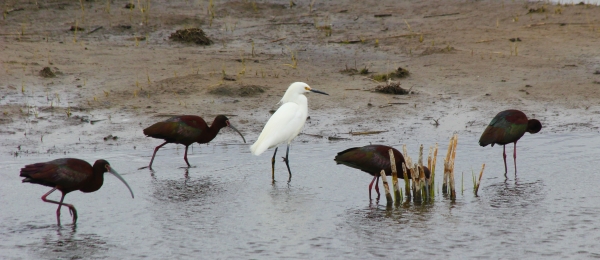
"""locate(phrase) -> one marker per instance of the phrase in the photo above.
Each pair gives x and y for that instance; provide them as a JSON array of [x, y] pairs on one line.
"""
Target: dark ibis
[[372, 159], [508, 127], [66, 175], [187, 130]]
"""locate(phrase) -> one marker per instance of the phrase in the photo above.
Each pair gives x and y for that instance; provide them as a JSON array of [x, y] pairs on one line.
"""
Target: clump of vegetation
[[537, 10], [434, 50], [392, 88], [46, 72], [194, 35], [397, 74], [353, 71], [239, 91]]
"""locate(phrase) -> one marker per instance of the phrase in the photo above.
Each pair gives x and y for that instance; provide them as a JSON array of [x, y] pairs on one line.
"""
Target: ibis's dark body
[[508, 127]]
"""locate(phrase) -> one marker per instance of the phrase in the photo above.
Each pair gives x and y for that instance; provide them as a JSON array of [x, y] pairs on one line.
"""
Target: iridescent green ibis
[[508, 127], [66, 175], [187, 130], [372, 159]]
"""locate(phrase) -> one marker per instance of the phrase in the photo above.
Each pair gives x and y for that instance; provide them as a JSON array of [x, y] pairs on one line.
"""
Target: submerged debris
[[392, 88], [110, 137], [195, 35], [46, 72], [76, 28]]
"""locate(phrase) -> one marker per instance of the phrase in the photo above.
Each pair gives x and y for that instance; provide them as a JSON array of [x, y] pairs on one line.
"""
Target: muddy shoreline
[[127, 74]]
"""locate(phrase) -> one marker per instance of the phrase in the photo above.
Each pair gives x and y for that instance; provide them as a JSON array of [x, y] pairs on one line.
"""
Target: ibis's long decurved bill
[[116, 174], [318, 91], [232, 127]]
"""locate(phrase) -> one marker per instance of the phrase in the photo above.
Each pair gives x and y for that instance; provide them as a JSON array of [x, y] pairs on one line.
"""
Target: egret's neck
[[299, 99]]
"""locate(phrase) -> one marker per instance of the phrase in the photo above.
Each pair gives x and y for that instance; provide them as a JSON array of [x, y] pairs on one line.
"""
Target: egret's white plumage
[[283, 126], [287, 122]]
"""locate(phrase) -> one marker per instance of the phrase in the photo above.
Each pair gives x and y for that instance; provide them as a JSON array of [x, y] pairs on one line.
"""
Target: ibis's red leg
[[371, 187], [515, 156], [504, 155], [71, 207], [377, 187], [155, 150], [185, 156]]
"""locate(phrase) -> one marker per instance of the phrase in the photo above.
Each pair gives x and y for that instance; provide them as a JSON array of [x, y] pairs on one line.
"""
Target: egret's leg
[[504, 155], [273, 164], [515, 156], [155, 150], [185, 156], [287, 161], [370, 187]]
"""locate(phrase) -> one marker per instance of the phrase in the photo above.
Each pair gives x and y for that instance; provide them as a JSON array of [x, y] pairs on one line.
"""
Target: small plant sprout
[[243, 71], [106, 93], [144, 8], [408, 25], [421, 38], [68, 111], [310, 6], [107, 9], [135, 93], [75, 32], [211, 12], [376, 42], [293, 54]]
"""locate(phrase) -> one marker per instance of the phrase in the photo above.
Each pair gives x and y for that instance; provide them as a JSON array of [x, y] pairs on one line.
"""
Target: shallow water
[[226, 206]]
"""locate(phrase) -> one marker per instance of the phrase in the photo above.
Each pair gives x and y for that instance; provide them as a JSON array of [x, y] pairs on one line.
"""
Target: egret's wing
[[285, 124]]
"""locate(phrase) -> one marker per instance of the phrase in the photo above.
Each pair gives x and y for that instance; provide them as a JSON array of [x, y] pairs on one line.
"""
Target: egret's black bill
[[317, 91]]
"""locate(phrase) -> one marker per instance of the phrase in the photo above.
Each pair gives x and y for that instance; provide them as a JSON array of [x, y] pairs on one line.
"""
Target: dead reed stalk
[[449, 167], [397, 195], [388, 196], [479, 181]]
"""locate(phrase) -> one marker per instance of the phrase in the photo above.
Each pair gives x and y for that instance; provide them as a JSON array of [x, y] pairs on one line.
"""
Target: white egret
[[286, 123]]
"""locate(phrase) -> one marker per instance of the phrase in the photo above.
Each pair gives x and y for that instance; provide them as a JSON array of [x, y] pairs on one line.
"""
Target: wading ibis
[[187, 130], [66, 175], [508, 127], [372, 159]]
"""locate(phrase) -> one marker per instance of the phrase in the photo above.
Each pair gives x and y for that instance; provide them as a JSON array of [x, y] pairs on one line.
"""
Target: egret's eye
[[307, 88]]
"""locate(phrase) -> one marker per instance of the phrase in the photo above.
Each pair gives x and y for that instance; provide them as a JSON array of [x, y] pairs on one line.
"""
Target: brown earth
[[467, 60]]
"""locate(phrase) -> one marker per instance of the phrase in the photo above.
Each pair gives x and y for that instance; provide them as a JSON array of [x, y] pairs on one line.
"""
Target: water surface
[[226, 207]]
